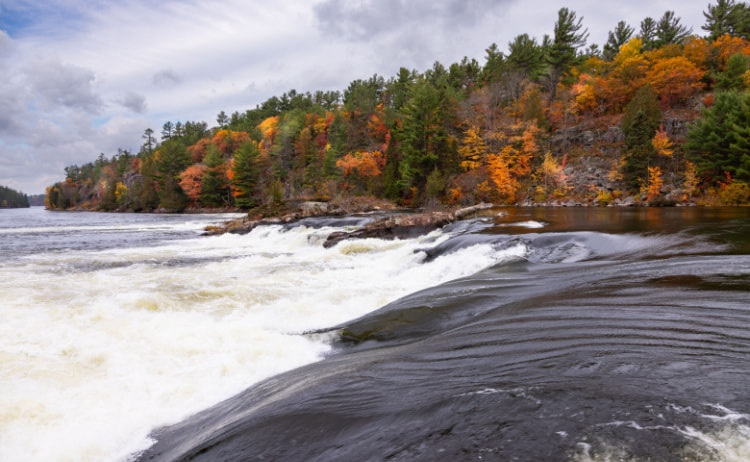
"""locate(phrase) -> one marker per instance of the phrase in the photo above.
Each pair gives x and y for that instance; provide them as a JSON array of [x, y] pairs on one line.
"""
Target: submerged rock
[[405, 226]]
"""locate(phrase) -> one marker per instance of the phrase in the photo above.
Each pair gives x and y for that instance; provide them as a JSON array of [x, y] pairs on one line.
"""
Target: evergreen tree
[[245, 175], [669, 30], [569, 36], [733, 76], [10, 198], [214, 186], [719, 141], [423, 135], [727, 17], [648, 33], [170, 160], [616, 39]]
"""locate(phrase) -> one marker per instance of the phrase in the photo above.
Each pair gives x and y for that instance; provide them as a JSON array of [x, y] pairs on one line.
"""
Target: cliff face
[[592, 151]]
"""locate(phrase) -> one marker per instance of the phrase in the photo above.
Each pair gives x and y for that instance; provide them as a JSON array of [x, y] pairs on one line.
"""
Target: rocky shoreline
[[392, 226]]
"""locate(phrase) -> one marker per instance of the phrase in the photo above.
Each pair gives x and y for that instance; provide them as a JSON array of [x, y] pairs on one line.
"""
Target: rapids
[[521, 334]]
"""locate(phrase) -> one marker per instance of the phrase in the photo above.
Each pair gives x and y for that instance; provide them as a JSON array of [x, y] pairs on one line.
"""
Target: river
[[523, 334]]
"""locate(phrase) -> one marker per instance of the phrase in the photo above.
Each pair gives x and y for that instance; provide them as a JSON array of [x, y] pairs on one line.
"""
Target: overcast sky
[[80, 77]]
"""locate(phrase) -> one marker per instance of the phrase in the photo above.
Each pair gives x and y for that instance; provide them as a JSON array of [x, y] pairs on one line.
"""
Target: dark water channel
[[624, 334]]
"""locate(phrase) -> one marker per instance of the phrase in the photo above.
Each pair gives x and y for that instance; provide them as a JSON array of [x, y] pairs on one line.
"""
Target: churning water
[[545, 334], [112, 325]]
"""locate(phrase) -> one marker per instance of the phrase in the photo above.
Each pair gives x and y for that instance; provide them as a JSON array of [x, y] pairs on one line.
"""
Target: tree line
[[11, 199], [468, 131]]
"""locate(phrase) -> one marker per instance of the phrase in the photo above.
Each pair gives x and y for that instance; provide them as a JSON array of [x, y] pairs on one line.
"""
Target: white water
[[99, 347]]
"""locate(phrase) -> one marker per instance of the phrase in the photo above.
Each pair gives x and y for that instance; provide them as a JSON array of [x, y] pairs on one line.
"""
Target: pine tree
[[245, 175], [214, 186], [719, 141], [617, 38]]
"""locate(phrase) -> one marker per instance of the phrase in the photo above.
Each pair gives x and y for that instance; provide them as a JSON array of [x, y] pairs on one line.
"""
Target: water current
[[523, 334]]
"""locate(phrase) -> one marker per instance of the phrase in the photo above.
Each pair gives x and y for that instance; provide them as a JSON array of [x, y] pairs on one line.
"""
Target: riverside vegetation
[[657, 117]]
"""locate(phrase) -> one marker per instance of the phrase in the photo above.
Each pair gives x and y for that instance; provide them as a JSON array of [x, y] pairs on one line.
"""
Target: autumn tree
[[675, 79], [640, 121], [190, 182], [472, 150], [362, 167]]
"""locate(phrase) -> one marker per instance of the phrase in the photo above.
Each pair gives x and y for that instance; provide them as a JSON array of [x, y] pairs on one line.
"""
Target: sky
[[83, 77]]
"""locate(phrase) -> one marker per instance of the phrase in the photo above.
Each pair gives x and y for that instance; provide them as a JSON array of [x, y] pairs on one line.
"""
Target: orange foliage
[[136, 165], [698, 51], [198, 151], [727, 45], [269, 128], [473, 151], [661, 142], [190, 181], [499, 170], [362, 163], [655, 182], [675, 79], [229, 141], [583, 91]]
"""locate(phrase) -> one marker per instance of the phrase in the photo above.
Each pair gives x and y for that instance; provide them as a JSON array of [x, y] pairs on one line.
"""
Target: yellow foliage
[[690, 185], [655, 182], [631, 49], [121, 192], [661, 142], [473, 151]]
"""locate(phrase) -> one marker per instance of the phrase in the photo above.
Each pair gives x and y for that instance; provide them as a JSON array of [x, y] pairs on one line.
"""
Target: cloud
[[6, 45], [166, 77], [134, 102], [64, 85], [366, 19]]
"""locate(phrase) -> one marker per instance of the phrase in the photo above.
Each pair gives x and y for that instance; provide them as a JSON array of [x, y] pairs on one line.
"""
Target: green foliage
[[669, 30], [727, 17], [245, 175], [719, 141], [733, 76], [617, 38], [434, 187], [423, 135], [10, 198], [735, 193], [639, 124], [214, 185], [568, 37]]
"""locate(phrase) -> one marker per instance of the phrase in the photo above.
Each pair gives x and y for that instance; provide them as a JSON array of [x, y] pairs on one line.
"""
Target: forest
[[658, 115], [12, 199]]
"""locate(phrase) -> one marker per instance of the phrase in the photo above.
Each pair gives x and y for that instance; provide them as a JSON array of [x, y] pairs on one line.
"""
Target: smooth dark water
[[621, 334]]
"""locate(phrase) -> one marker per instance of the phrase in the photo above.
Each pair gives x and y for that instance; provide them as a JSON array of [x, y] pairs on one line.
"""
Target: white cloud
[[87, 76]]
